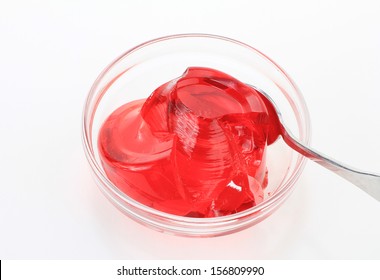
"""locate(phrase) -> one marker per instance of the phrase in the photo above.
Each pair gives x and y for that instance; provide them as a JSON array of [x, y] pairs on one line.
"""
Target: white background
[[51, 52]]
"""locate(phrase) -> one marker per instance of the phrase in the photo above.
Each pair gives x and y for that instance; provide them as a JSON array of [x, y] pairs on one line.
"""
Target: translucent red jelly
[[196, 147]]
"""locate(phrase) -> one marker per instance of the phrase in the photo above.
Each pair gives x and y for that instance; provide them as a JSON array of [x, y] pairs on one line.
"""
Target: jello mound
[[196, 147]]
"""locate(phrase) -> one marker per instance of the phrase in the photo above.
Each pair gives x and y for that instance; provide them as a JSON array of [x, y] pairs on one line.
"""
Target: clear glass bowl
[[136, 73]]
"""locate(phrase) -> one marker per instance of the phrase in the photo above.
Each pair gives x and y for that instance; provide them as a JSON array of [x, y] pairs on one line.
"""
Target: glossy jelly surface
[[195, 147]]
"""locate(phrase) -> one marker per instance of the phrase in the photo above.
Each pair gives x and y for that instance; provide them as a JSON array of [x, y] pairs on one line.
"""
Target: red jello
[[196, 147]]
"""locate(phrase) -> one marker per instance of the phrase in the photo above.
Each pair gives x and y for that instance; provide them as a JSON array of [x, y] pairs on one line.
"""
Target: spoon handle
[[368, 182]]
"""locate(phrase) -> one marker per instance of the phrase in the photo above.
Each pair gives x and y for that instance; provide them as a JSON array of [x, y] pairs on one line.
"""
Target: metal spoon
[[368, 182]]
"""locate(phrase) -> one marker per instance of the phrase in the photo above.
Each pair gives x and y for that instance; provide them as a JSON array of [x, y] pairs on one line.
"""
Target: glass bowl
[[136, 73]]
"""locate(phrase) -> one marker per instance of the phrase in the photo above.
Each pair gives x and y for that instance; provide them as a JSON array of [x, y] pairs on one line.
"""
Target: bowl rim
[[106, 183]]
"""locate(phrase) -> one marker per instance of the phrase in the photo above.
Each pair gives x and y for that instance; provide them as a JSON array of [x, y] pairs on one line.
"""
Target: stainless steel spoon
[[368, 182]]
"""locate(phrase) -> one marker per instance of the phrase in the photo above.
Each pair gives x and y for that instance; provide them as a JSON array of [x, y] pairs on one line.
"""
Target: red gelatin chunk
[[196, 147]]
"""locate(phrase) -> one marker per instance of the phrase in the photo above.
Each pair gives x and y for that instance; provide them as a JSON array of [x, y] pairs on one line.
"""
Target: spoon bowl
[[366, 181]]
